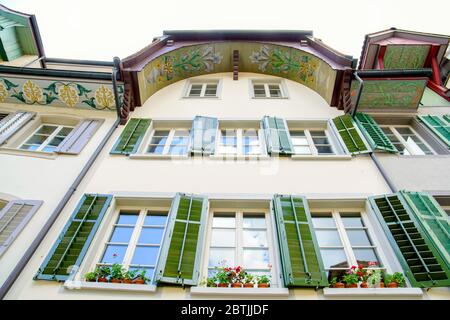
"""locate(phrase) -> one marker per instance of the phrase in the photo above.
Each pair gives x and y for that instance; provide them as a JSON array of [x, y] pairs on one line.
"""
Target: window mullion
[[344, 238], [202, 93], [239, 241], [400, 138], [46, 141], [134, 239], [239, 145], [169, 141], [312, 146], [266, 89]]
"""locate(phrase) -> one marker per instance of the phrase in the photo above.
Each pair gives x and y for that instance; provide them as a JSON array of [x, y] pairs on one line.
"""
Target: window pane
[[323, 222], [37, 139], [255, 238], [151, 235], [324, 150], [46, 130], [364, 256], [55, 141], [358, 238], [195, 91], [155, 220], [127, 218], [224, 222], [64, 131], [334, 258], [299, 140], [252, 149], [302, 150], [221, 257], [178, 150], [328, 238], [145, 255], [49, 149], [156, 149], [223, 238], [161, 141], [352, 222], [256, 258], [121, 234], [114, 254], [211, 90], [150, 271], [275, 91], [259, 90], [254, 222]]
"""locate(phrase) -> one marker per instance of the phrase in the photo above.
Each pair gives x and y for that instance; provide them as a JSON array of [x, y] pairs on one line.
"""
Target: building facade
[[208, 149]]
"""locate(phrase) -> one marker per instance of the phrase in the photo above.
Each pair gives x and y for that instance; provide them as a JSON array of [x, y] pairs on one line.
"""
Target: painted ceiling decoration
[[281, 61], [389, 94]]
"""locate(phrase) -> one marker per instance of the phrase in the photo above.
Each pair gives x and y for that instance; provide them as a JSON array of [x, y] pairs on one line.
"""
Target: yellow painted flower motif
[[3, 92], [32, 92], [68, 95], [168, 67], [104, 97]]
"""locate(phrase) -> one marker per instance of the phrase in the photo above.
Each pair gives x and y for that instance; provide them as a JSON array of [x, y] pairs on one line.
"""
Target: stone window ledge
[[84, 285], [323, 157], [372, 292], [268, 292]]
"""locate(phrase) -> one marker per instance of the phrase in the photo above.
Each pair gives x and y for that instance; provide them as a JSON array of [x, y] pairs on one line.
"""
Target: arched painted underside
[[266, 58]]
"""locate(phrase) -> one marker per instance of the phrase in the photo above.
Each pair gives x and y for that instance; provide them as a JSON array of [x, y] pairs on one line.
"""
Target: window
[[46, 138], [344, 239], [241, 238], [239, 142], [311, 142], [406, 140], [136, 239], [203, 90], [268, 90], [173, 141]]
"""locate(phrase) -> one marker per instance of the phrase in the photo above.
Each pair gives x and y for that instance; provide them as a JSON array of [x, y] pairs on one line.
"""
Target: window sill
[[239, 157], [158, 156], [372, 292], [271, 98], [269, 292], [84, 285], [27, 153], [188, 97], [330, 157]]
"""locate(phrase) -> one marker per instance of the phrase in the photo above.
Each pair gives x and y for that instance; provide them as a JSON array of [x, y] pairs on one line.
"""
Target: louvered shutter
[[300, 256], [373, 133], [13, 218], [78, 137], [421, 261], [350, 136], [74, 240], [12, 123], [131, 136], [440, 125], [276, 133], [203, 135], [433, 219], [182, 245]]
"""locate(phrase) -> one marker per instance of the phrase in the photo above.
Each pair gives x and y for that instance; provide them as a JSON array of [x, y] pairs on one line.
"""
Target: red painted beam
[[380, 59]]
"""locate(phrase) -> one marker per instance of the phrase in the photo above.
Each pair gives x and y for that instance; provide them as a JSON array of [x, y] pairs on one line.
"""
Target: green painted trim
[[438, 125], [373, 133]]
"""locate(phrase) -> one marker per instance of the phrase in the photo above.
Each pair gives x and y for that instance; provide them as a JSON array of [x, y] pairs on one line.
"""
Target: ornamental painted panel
[[59, 93], [195, 60], [405, 56], [389, 94]]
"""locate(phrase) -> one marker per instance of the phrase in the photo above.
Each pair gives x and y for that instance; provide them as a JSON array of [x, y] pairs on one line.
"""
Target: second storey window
[[406, 140], [268, 90], [135, 240], [344, 240], [239, 142], [174, 142], [203, 90], [46, 138], [311, 142]]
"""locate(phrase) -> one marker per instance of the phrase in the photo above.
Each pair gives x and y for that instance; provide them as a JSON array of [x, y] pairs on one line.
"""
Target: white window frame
[[403, 142], [266, 83], [203, 83], [347, 247], [133, 242], [312, 146], [168, 143], [46, 141], [240, 142], [239, 248]]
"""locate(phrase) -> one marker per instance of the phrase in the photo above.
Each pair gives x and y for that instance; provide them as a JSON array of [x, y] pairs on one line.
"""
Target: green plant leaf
[[52, 88], [49, 98], [90, 102], [82, 90], [9, 84], [19, 96]]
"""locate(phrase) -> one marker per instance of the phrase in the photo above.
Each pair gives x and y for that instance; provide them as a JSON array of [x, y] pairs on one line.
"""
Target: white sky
[[101, 29]]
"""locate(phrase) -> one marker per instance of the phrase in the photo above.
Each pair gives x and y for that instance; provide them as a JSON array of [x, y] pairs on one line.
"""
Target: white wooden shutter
[[77, 139], [13, 123]]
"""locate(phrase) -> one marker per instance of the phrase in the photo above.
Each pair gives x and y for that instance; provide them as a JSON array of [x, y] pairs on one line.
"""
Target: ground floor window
[[46, 138]]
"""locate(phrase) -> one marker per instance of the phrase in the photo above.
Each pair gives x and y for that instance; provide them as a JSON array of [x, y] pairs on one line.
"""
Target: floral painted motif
[[49, 92], [32, 92], [199, 59], [104, 97], [68, 94], [281, 61], [3, 92]]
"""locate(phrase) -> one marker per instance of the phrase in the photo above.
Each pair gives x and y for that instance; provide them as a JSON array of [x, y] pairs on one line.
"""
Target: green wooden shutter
[[131, 136], [350, 135], [421, 261], [373, 133], [203, 135], [182, 245], [433, 219], [300, 256], [74, 240], [440, 125], [276, 133]]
